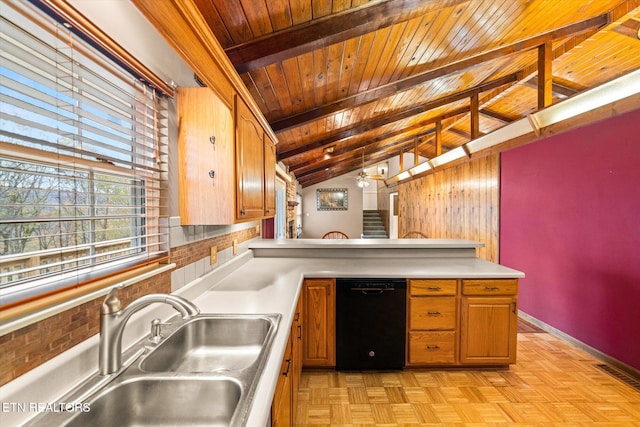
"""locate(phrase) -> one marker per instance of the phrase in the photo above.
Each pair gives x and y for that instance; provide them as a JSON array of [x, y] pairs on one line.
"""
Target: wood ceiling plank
[[279, 14], [433, 38], [320, 76], [386, 90], [388, 54], [402, 52], [300, 12], [291, 74], [280, 96], [305, 63], [323, 29], [211, 14], [347, 65], [258, 17], [265, 87], [373, 59], [321, 8], [334, 67], [230, 12]]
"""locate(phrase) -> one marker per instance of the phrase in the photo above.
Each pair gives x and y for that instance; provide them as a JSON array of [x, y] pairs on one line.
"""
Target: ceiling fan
[[362, 178]]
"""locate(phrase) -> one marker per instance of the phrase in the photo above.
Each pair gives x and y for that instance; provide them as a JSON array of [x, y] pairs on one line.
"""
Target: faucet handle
[[112, 302], [156, 331]]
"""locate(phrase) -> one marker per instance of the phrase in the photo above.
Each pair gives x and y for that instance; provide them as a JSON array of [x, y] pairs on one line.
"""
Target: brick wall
[[31, 346]]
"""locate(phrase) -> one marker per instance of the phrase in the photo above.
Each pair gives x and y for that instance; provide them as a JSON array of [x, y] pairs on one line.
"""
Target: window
[[82, 160]]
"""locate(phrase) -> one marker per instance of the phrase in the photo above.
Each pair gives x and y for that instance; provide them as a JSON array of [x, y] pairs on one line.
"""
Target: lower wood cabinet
[[282, 405], [489, 322], [461, 322], [319, 323], [285, 399], [432, 309]]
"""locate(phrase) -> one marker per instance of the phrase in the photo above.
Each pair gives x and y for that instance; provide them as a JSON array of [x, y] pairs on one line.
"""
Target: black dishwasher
[[370, 323]]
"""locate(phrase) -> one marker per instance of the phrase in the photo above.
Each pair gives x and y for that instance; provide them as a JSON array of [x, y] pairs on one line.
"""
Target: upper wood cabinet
[[249, 163], [226, 166], [269, 177], [206, 176]]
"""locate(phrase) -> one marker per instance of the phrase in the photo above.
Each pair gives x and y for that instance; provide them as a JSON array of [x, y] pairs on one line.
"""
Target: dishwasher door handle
[[372, 291]]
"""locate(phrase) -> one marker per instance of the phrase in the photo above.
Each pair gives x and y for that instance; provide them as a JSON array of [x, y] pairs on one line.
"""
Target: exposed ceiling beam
[[557, 89], [544, 86], [350, 166], [496, 116], [630, 28], [347, 162], [325, 31], [400, 115], [379, 146], [393, 88]]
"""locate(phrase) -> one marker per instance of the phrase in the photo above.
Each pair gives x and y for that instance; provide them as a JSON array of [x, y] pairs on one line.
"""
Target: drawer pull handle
[[491, 288], [434, 313], [434, 288], [433, 347]]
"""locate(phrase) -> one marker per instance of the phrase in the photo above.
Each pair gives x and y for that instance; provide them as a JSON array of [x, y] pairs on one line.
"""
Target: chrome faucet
[[113, 319]]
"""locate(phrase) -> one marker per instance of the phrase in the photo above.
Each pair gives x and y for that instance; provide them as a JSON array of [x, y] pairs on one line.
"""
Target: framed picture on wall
[[332, 199]]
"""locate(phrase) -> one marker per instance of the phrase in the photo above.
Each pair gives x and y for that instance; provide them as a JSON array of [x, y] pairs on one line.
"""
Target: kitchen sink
[[210, 344], [203, 371], [163, 402]]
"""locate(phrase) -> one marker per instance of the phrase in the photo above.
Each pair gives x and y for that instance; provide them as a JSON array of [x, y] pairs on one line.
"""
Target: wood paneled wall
[[461, 202]]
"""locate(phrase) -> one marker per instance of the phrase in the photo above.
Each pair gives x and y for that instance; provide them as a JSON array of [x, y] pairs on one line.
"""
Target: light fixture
[[607, 93], [419, 168], [449, 156], [403, 175], [505, 133], [362, 180]]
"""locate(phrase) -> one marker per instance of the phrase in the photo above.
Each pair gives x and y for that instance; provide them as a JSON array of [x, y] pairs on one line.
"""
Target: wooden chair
[[413, 234], [335, 235]]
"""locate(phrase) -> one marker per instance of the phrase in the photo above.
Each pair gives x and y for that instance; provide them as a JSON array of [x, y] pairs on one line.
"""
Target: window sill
[[26, 314]]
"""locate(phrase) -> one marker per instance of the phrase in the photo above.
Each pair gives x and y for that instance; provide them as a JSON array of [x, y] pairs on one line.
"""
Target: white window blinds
[[83, 152]]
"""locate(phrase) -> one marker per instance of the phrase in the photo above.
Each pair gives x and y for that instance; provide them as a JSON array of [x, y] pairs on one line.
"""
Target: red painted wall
[[570, 219]]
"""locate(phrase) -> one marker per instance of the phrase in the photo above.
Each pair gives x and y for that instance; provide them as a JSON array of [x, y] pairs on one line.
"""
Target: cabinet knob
[[433, 347], [243, 212], [212, 139], [433, 313], [212, 173], [434, 288], [491, 288]]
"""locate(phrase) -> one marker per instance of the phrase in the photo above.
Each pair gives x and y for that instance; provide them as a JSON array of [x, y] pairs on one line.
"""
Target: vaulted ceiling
[[420, 76]]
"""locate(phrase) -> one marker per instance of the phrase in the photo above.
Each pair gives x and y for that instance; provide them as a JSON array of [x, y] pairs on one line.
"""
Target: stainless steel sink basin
[[210, 344], [163, 402], [204, 372]]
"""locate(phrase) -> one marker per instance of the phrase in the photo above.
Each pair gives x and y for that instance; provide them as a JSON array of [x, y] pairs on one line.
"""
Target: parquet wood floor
[[552, 384]]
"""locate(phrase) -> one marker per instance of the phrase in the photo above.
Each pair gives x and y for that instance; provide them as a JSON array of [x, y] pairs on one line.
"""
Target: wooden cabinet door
[[269, 177], [488, 332], [249, 164], [296, 355], [281, 409], [319, 323], [206, 175]]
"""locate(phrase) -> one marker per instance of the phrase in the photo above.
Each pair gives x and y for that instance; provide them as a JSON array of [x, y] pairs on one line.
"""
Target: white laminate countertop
[[259, 284]]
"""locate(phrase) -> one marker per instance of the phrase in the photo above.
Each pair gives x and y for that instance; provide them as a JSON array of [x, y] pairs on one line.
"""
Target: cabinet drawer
[[433, 287], [490, 287], [432, 313], [432, 348]]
